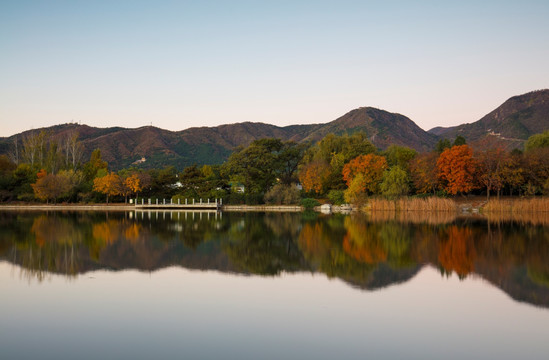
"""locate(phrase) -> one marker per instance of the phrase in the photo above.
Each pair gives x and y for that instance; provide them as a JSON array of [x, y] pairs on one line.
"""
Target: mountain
[[508, 125], [383, 129], [122, 147]]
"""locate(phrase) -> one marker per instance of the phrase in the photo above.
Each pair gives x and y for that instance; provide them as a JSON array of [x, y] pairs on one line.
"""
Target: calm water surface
[[269, 286]]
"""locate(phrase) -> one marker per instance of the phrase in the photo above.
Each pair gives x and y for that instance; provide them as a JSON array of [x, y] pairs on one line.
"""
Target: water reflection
[[366, 252]]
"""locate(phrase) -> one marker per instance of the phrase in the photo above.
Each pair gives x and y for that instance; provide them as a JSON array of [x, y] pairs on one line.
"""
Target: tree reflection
[[457, 252], [363, 251]]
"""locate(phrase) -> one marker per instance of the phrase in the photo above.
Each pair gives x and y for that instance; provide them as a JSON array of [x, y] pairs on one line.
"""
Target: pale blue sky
[[180, 64]]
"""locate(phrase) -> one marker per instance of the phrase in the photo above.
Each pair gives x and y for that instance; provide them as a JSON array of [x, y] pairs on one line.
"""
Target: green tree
[[395, 182], [460, 140], [399, 156], [95, 164], [256, 167], [537, 141], [442, 145]]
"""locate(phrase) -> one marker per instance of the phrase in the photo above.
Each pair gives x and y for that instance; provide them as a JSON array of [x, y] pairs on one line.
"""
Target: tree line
[[341, 168]]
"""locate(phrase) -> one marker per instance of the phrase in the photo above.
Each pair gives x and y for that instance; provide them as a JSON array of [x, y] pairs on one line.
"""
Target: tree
[[457, 169], [95, 164], [512, 173], [313, 176], [537, 141], [337, 151], [356, 191], [460, 140], [7, 168], [442, 145], [50, 187], [163, 182], [257, 166], [282, 194], [424, 173], [290, 156], [34, 148], [399, 155], [370, 166], [490, 163], [130, 185], [395, 182], [73, 150], [109, 185]]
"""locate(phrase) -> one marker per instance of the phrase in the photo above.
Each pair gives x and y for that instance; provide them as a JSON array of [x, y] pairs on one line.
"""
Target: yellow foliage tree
[[109, 185]]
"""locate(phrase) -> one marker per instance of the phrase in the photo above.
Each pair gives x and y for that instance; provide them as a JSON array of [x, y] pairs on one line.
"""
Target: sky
[[181, 64]]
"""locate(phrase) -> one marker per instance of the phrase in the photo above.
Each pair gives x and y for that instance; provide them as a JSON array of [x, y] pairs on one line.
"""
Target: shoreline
[[125, 207]]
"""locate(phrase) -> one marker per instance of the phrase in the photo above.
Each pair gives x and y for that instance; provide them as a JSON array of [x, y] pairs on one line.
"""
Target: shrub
[[336, 197], [282, 195], [309, 203]]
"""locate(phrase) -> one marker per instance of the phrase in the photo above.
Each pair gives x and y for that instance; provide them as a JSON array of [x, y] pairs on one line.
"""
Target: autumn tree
[[50, 186], [371, 166], [336, 151], [457, 168], [109, 185], [512, 172], [424, 173], [313, 176], [356, 192], [130, 185], [490, 164]]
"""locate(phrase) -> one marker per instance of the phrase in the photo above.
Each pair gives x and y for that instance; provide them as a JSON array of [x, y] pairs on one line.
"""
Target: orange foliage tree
[[50, 187], [109, 185], [313, 176], [370, 166], [456, 167]]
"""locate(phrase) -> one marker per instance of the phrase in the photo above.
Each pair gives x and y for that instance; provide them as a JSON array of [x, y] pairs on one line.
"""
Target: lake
[[164, 285]]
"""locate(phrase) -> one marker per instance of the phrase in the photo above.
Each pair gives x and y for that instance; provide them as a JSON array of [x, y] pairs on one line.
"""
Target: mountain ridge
[[509, 125]]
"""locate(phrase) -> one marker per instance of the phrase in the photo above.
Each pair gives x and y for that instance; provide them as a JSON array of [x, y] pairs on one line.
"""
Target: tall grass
[[532, 205], [411, 204]]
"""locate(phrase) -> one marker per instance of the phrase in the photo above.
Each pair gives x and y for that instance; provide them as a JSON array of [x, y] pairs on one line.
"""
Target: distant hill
[[383, 129], [122, 147], [508, 125]]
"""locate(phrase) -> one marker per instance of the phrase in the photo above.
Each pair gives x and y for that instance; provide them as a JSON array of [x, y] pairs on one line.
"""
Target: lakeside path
[[125, 207], [72, 207]]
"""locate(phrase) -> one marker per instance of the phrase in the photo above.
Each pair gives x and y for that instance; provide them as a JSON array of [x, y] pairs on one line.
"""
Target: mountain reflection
[[366, 252]]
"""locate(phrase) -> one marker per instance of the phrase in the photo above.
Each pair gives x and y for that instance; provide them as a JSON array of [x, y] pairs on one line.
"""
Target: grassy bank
[[431, 204]]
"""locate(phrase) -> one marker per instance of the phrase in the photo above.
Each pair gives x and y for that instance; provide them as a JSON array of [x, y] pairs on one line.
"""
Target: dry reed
[[434, 204]]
